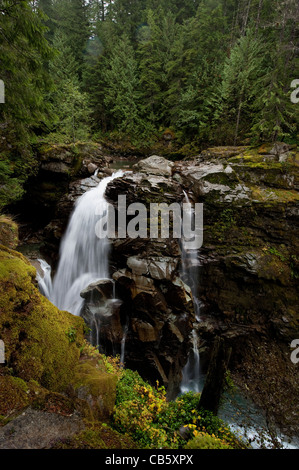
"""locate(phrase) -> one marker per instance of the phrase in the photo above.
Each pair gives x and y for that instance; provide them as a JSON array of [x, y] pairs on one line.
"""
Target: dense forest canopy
[[208, 71]]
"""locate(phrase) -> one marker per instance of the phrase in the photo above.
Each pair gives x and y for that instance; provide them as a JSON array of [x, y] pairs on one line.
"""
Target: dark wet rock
[[98, 290]]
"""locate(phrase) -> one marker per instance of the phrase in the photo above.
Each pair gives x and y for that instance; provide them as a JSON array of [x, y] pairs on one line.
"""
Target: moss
[[14, 395], [33, 329], [96, 436], [273, 267], [53, 402], [274, 195], [93, 383], [221, 178], [8, 232], [3, 421]]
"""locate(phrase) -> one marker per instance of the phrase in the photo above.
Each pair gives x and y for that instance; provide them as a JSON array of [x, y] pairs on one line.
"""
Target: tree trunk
[[257, 24], [245, 20], [212, 391], [238, 122]]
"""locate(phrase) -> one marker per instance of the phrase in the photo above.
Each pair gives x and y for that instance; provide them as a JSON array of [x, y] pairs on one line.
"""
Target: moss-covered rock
[[8, 232], [96, 436], [96, 388], [14, 395], [34, 332]]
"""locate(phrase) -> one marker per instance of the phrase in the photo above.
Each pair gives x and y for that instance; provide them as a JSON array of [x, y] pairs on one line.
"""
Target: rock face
[[47, 192], [151, 323], [249, 265], [157, 307]]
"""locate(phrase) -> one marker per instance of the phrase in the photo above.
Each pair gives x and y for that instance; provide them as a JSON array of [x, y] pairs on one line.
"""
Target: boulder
[[155, 165], [157, 268], [98, 290]]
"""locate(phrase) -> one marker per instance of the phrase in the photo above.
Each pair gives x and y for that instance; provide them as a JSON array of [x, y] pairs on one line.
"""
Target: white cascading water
[[189, 270], [45, 281], [84, 257], [191, 371], [123, 345]]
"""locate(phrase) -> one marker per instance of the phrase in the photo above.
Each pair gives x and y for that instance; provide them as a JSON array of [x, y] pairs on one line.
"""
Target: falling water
[[123, 345], [83, 255], [191, 372], [189, 274], [45, 281]]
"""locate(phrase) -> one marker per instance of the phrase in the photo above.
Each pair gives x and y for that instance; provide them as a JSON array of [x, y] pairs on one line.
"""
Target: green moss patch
[[274, 195]]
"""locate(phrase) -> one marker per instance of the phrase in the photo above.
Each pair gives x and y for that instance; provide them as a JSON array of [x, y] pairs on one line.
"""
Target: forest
[[213, 72]]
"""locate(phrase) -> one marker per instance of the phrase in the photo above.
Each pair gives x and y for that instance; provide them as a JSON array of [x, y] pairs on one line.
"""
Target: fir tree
[[70, 108], [23, 54], [240, 74], [122, 94]]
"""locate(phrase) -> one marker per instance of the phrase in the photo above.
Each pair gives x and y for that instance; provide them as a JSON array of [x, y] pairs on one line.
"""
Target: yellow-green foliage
[[106, 363], [139, 417], [207, 441], [33, 330], [143, 413]]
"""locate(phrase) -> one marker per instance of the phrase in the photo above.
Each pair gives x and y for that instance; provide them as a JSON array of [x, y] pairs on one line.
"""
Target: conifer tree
[[122, 93], [23, 53], [70, 109], [240, 74]]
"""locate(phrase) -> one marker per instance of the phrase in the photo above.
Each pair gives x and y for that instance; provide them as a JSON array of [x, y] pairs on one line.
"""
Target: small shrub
[[137, 411], [206, 441], [143, 413], [71, 333]]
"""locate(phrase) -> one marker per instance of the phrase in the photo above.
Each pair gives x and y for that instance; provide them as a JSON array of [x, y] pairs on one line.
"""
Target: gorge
[[161, 308]]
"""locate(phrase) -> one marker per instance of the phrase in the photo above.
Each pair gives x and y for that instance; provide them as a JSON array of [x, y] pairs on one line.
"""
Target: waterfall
[[191, 372], [83, 256], [189, 274], [190, 264], [45, 281], [123, 345]]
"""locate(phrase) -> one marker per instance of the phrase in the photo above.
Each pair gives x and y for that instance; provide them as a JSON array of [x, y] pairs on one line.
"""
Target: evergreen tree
[[70, 107], [23, 54], [71, 17], [151, 69], [161, 66], [122, 94], [273, 115], [240, 74], [206, 37]]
